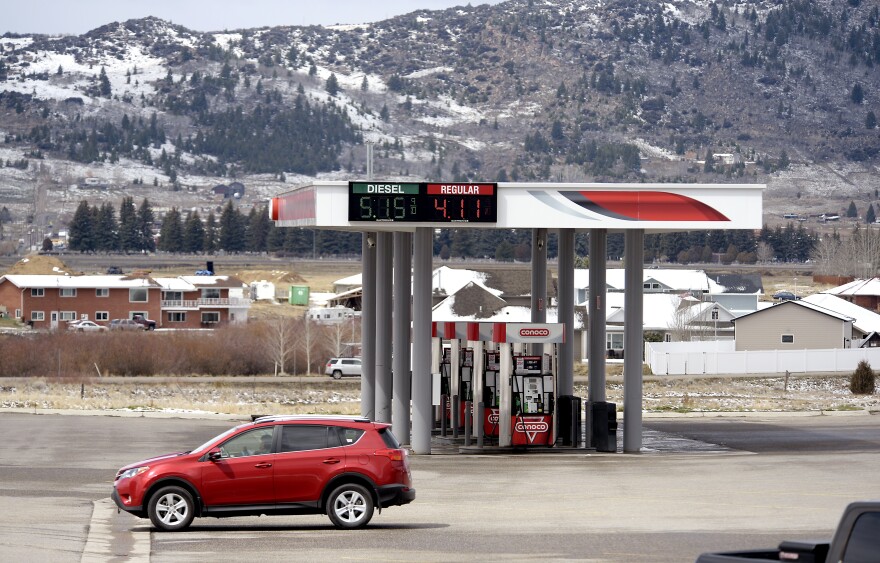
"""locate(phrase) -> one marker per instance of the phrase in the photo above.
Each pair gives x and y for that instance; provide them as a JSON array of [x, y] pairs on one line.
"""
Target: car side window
[[302, 437], [862, 544], [253, 442], [349, 435]]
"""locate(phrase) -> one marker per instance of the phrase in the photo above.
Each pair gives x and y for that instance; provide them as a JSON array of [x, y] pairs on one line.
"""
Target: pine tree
[[81, 229], [210, 245], [332, 85], [870, 120], [858, 94], [870, 216], [104, 83], [145, 220], [129, 237], [106, 229], [171, 234], [275, 238], [231, 237], [258, 230], [193, 234], [851, 211]]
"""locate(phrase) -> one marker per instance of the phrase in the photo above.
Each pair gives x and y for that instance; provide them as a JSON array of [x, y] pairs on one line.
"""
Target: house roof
[[677, 280], [799, 303], [864, 320], [213, 281], [660, 311], [857, 287], [739, 283], [25, 281], [447, 281]]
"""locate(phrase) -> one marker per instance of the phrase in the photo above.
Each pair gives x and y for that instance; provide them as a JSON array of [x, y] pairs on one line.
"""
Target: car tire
[[171, 509], [337, 374], [350, 506]]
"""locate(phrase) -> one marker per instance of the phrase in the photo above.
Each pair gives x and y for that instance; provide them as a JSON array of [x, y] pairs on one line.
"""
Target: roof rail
[[336, 417]]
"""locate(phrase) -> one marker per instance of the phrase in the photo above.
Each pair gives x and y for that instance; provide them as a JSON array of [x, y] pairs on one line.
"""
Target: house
[[865, 322], [863, 292], [234, 190], [514, 285], [203, 301], [793, 325], [678, 305], [739, 293], [48, 301], [673, 318]]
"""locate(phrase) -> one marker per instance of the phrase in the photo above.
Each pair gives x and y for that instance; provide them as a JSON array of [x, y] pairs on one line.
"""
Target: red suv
[[340, 466]]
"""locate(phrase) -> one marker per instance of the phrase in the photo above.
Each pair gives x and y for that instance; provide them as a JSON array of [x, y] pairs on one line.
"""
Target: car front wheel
[[337, 374], [350, 506], [171, 509]]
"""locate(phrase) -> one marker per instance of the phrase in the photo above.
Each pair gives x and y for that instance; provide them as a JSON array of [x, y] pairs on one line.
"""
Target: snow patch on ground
[[651, 151]]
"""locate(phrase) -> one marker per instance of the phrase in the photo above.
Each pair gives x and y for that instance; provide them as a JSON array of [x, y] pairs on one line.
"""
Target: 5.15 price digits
[[398, 208]]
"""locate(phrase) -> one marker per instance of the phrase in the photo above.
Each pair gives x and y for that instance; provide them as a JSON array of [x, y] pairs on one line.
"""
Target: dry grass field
[[322, 395]]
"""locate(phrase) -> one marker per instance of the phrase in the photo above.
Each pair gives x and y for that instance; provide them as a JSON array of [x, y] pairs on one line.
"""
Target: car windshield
[[216, 438]]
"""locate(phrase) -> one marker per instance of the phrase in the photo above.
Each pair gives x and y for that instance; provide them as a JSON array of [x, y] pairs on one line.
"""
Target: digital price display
[[423, 203]]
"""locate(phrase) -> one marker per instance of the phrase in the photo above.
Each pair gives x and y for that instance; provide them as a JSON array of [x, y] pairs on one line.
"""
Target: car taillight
[[393, 455]]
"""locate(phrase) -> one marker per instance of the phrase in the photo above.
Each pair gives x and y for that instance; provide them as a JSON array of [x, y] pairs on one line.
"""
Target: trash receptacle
[[603, 422], [569, 420]]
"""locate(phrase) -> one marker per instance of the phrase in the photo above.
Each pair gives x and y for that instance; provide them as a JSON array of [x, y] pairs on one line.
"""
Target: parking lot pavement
[[701, 488]]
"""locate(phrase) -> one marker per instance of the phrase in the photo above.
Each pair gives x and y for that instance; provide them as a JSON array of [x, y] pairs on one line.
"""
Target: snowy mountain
[[781, 92]]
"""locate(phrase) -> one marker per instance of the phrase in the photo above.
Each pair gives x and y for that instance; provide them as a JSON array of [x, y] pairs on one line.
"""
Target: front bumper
[[136, 510]]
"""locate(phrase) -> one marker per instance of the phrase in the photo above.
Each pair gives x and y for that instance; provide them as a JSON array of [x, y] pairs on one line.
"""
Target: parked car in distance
[[125, 324], [337, 367], [340, 466], [144, 322], [85, 326], [785, 296]]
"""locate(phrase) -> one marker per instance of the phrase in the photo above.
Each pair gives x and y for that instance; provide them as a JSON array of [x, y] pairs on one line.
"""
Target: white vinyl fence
[[695, 358]]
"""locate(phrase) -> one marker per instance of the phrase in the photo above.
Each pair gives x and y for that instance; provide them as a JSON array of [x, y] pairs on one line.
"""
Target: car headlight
[[133, 472]]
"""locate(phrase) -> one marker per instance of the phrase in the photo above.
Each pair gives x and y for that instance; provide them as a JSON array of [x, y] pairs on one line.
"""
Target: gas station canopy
[[404, 206]]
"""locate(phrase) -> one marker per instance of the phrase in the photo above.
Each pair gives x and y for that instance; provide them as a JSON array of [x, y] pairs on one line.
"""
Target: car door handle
[[332, 460], [263, 465]]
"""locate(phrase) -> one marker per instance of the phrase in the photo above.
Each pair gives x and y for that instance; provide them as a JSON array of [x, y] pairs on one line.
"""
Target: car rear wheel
[[171, 509], [337, 374], [350, 506]]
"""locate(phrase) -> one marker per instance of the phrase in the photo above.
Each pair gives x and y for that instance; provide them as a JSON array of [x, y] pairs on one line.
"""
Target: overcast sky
[[80, 16]]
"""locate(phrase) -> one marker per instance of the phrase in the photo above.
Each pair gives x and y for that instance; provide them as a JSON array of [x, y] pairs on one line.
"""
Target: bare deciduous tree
[[280, 341]]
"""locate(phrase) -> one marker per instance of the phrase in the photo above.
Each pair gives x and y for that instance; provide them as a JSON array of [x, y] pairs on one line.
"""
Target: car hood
[[152, 460]]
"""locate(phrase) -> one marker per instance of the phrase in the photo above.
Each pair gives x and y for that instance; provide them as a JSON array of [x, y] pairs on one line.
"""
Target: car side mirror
[[215, 455]]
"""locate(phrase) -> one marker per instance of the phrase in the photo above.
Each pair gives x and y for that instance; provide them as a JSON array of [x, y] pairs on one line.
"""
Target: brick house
[[50, 301], [203, 301]]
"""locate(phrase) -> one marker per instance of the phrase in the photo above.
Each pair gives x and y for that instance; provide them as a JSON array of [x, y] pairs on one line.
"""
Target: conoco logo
[[534, 332], [527, 426]]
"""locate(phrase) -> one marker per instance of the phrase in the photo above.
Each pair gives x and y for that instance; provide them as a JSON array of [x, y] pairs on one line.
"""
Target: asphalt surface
[[700, 484]]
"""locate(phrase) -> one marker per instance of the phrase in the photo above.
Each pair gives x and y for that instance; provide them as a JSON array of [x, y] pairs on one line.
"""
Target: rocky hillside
[[779, 92]]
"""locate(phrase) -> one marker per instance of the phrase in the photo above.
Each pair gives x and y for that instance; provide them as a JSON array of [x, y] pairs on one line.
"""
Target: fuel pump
[[526, 383], [483, 386], [533, 410], [455, 370], [441, 367]]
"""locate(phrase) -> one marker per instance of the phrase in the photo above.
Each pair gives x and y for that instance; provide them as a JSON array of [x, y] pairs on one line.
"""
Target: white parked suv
[[337, 367]]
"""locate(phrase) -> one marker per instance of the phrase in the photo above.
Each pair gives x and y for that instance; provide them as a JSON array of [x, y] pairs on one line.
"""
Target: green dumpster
[[299, 295]]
